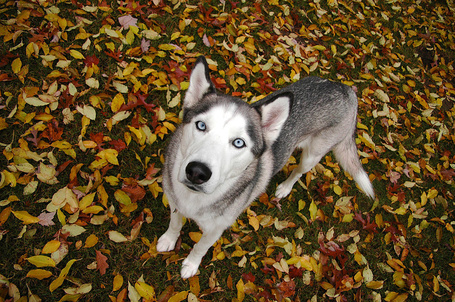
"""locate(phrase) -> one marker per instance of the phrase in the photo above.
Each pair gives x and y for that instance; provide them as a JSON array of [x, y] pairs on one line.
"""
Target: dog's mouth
[[193, 187]]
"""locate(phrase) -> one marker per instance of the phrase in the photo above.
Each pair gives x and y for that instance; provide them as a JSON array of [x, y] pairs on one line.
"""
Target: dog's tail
[[346, 154]]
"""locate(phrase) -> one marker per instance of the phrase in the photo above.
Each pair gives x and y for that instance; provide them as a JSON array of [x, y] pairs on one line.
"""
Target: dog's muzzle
[[197, 174]]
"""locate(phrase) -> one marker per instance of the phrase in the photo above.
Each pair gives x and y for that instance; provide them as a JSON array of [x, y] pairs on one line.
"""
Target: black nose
[[197, 172]]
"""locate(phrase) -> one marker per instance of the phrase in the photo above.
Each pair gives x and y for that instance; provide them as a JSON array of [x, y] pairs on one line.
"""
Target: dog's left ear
[[273, 115], [200, 83]]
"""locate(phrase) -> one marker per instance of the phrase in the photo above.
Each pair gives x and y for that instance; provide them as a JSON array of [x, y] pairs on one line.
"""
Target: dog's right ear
[[274, 113], [200, 83]]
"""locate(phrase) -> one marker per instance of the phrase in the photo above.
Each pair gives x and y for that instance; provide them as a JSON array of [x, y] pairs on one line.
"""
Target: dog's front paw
[[189, 268], [166, 243], [283, 190]]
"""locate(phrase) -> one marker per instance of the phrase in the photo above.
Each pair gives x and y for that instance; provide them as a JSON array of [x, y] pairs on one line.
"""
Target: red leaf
[[115, 55], [63, 166], [295, 272], [101, 262], [91, 60], [287, 289], [35, 139], [448, 174], [140, 101], [118, 145], [151, 171], [135, 192], [53, 132], [366, 225], [249, 277], [98, 139]]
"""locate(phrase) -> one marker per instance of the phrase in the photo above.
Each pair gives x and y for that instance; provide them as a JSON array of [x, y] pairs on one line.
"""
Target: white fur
[[364, 183]]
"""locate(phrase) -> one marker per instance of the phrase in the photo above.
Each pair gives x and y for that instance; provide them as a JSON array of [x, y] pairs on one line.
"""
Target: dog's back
[[323, 117]]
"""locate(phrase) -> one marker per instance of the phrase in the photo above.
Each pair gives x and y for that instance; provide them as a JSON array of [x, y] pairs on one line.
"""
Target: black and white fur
[[225, 152]]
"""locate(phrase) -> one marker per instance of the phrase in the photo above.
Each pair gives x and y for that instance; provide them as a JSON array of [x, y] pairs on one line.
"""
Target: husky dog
[[225, 152]]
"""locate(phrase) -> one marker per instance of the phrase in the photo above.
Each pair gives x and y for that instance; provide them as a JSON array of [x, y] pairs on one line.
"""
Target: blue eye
[[201, 126], [238, 143]]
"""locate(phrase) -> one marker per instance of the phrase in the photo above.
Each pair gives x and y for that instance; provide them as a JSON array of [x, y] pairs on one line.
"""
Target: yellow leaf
[[34, 101], [252, 219], [41, 261], [166, 47], [319, 47], [175, 35], [240, 290], [109, 155], [61, 217], [435, 284], [61, 198], [117, 237], [348, 217], [195, 236], [25, 217], [146, 291], [129, 37], [118, 282], [61, 145], [76, 54], [16, 65], [136, 132], [91, 241], [51, 247], [4, 215], [56, 283], [103, 197], [358, 257], [117, 102], [178, 297], [122, 197], [375, 284], [390, 296], [86, 201], [194, 285], [7, 178], [337, 190], [313, 210], [432, 193], [93, 210], [39, 274], [400, 211], [98, 164]]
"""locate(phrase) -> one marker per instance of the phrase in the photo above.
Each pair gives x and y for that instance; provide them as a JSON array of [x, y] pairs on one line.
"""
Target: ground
[[90, 92]]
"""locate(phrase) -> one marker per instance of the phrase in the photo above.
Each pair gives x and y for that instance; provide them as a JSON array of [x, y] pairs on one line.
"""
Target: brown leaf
[[101, 261]]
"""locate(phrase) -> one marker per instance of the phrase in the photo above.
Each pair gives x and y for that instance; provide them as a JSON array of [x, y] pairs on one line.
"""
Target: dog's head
[[223, 135]]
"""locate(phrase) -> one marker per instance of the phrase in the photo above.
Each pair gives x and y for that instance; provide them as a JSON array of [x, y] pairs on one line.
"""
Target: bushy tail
[[346, 154]]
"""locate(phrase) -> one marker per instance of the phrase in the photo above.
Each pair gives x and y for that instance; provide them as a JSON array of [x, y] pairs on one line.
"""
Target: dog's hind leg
[[168, 240], [346, 154], [308, 159]]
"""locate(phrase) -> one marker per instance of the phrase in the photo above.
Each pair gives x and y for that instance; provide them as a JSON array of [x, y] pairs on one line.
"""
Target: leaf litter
[[91, 91]]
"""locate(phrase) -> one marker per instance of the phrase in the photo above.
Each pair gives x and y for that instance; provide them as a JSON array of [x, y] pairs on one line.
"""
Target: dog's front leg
[[191, 263], [168, 240]]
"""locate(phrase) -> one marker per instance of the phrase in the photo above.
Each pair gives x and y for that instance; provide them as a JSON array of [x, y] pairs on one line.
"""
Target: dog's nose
[[197, 172]]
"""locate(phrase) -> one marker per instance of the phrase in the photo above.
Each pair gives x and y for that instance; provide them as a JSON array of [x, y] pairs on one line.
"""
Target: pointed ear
[[274, 114], [200, 83]]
